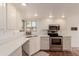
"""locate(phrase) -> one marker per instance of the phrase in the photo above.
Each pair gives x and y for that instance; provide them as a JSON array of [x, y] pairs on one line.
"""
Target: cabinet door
[[26, 47], [34, 45], [67, 44], [18, 52], [11, 17], [44, 43], [2, 16]]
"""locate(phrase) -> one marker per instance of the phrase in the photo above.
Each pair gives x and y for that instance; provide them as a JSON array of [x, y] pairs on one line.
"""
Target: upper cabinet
[[18, 20], [2, 16], [11, 17], [14, 18]]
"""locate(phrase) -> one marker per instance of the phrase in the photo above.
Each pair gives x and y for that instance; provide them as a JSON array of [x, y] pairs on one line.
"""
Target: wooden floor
[[63, 53], [74, 52], [60, 53]]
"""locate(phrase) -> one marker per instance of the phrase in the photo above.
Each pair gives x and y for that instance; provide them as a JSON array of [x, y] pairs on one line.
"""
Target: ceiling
[[44, 9]]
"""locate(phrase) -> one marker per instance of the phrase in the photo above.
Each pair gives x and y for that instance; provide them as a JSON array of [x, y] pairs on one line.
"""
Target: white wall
[[73, 22]]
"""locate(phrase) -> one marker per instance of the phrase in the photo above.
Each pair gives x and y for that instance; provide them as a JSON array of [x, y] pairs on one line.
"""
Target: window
[[23, 25], [34, 25], [29, 25]]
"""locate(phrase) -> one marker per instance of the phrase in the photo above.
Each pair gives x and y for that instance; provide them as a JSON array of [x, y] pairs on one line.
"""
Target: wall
[[73, 22]]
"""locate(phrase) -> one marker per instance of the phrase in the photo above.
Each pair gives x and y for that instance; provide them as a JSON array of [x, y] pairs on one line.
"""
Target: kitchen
[[24, 28]]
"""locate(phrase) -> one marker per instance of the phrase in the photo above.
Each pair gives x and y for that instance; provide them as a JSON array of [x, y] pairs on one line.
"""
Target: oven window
[[56, 42]]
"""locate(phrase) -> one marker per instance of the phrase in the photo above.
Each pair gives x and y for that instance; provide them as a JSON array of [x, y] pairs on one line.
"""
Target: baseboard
[[75, 48], [35, 53], [44, 50], [23, 52]]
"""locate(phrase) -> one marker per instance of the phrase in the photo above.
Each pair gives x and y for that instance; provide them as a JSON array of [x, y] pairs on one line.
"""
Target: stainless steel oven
[[56, 43]]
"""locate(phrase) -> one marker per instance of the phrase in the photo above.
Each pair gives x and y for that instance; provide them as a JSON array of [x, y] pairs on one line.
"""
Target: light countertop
[[10, 45]]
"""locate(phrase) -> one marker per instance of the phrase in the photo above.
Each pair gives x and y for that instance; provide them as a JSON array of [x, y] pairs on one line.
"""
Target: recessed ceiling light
[[23, 4], [35, 14], [50, 16], [63, 16]]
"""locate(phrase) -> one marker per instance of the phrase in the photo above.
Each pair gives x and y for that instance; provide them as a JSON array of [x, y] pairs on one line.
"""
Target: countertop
[[48, 36], [30, 36], [63, 37], [10, 45]]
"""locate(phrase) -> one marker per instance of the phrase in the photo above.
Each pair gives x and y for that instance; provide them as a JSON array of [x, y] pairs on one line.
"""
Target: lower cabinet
[[17, 52], [44, 43], [66, 43], [32, 46]]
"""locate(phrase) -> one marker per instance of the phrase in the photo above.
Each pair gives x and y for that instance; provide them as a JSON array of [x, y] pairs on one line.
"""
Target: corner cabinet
[[67, 43], [44, 43]]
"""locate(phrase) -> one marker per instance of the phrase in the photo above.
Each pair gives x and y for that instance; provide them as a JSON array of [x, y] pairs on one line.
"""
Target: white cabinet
[[11, 17], [26, 47], [14, 18], [67, 43], [2, 16], [17, 52], [32, 46], [44, 43]]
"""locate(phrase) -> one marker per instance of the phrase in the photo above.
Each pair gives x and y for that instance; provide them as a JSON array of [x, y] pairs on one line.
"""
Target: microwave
[[54, 27]]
